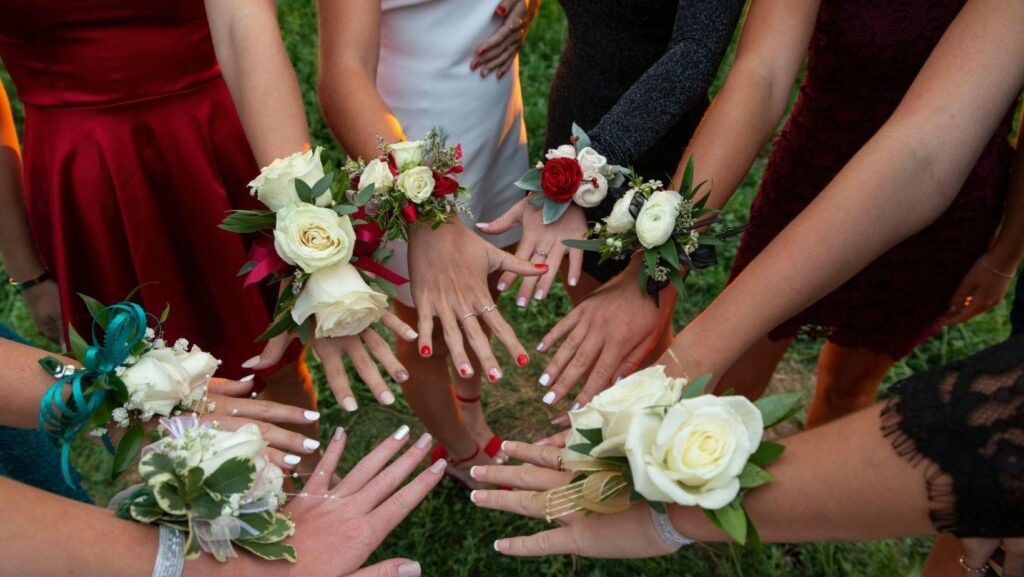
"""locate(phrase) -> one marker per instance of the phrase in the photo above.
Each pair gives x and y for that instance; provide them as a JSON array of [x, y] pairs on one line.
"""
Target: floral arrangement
[[215, 485], [573, 173], [661, 439], [128, 377], [661, 224], [411, 182], [323, 248]]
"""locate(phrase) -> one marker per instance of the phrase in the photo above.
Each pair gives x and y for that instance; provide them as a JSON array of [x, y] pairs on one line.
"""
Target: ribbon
[[61, 420], [369, 237], [604, 490], [266, 260]]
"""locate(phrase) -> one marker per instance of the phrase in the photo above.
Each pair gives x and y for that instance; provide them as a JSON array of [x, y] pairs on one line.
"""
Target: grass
[[451, 537]]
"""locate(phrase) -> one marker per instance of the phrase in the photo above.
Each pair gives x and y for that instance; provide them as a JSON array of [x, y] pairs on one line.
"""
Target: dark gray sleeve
[[674, 85]]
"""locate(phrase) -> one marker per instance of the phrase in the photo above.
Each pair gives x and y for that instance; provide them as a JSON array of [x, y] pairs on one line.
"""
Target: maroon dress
[[133, 153], [863, 57]]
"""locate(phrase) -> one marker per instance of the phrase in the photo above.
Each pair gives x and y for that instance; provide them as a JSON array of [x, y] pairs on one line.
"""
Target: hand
[[449, 267], [44, 302], [498, 52], [541, 243], [625, 535], [978, 553], [607, 336], [361, 349], [982, 289]]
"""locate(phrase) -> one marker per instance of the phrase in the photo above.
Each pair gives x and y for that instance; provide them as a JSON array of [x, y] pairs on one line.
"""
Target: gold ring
[[466, 316], [488, 308], [560, 462]]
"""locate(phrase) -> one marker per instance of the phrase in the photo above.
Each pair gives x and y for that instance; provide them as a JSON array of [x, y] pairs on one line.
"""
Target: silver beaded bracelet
[[170, 556], [668, 533]]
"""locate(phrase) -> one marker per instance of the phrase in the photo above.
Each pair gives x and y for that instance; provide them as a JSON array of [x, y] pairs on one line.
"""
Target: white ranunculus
[[695, 454], [157, 382], [378, 173], [417, 184], [407, 154], [564, 151], [629, 397], [621, 219], [275, 186], [343, 303], [657, 218], [312, 237], [590, 160], [592, 190]]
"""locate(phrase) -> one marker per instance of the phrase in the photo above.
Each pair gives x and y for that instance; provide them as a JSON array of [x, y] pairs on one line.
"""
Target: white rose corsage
[[660, 439], [572, 173]]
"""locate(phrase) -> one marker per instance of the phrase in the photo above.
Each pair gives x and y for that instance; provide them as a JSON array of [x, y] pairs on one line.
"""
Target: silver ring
[[488, 308], [540, 252], [466, 316]]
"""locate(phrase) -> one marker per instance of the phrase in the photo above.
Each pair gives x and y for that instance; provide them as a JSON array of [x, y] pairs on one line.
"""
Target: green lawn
[[451, 537]]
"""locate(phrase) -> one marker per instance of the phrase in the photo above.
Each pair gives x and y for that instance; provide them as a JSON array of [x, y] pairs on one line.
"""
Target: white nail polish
[[410, 570], [401, 433], [575, 407], [424, 441], [539, 295], [339, 433], [472, 496], [573, 280], [496, 545], [246, 378], [251, 362], [439, 466], [473, 471], [349, 404], [549, 398], [292, 460], [502, 286], [482, 224], [311, 444], [411, 335], [540, 347], [387, 398], [311, 415], [544, 380], [521, 302]]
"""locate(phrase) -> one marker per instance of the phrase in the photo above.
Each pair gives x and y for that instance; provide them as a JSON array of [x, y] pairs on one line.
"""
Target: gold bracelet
[[994, 271]]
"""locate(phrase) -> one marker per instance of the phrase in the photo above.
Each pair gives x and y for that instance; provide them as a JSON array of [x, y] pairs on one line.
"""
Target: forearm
[[261, 78], [22, 384], [17, 249], [1008, 249]]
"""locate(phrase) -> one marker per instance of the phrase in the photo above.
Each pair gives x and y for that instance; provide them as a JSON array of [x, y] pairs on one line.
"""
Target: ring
[[488, 308], [540, 252], [560, 462], [466, 316]]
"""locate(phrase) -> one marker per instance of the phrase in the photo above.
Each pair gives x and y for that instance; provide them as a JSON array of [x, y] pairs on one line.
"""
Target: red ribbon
[[369, 236], [409, 213], [266, 260], [444, 185]]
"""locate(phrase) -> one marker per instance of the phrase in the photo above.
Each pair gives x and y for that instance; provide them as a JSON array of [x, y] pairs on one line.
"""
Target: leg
[[752, 373], [944, 560], [848, 380]]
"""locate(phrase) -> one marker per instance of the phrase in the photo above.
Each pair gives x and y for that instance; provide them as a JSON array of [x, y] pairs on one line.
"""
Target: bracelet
[[994, 271], [668, 533], [170, 557], [25, 285]]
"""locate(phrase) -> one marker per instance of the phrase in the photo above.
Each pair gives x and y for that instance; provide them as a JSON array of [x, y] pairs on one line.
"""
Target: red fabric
[[133, 154]]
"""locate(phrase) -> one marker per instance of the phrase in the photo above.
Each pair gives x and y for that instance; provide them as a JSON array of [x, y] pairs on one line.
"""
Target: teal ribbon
[[63, 421]]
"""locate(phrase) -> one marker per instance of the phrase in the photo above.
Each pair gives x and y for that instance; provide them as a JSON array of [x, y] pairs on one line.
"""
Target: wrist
[[22, 284], [1002, 258]]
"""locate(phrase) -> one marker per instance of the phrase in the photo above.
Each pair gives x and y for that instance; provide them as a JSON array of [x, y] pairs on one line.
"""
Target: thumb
[[512, 218], [390, 568], [271, 354], [508, 262]]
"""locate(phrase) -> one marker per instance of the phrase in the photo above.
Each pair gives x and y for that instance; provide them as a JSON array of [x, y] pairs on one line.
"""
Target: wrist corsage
[[572, 173], [662, 440]]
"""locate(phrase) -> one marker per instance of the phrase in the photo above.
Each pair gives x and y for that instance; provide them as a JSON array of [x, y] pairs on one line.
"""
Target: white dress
[[426, 47]]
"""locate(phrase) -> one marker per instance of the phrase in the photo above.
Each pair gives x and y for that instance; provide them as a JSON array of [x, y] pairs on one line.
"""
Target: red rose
[[560, 178], [444, 185]]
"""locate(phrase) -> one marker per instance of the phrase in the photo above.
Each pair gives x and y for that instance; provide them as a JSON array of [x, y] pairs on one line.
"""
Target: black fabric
[[635, 75], [965, 423]]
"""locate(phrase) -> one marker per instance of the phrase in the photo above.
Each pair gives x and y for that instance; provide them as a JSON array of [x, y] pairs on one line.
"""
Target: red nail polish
[[464, 372], [540, 266], [501, 10], [492, 377], [474, 65], [522, 359], [425, 351]]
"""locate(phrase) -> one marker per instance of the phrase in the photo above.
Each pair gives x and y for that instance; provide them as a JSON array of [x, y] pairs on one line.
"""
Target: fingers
[[426, 328], [523, 251], [229, 388], [568, 355], [977, 552], [481, 345], [523, 477], [272, 353], [526, 288], [453, 338], [381, 351], [368, 467], [512, 218], [552, 542], [286, 461], [557, 440], [292, 444], [390, 568], [320, 482], [525, 503], [583, 362], [329, 353], [631, 363], [397, 326], [503, 56], [562, 328], [575, 266], [533, 454], [256, 409], [501, 260], [386, 517], [391, 478], [554, 261], [368, 371], [506, 336]]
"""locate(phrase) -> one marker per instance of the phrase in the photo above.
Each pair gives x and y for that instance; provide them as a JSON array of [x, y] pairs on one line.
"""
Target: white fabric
[[426, 48]]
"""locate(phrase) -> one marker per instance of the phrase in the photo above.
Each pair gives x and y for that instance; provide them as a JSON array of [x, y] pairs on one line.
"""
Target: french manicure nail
[[402, 376], [539, 295], [292, 460], [424, 351], [439, 466], [251, 362], [521, 302], [544, 380], [311, 415], [424, 441], [387, 398], [494, 375], [522, 359], [473, 496], [549, 398], [474, 471], [401, 433], [497, 545], [502, 286], [349, 404], [506, 446], [310, 444], [574, 407], [339, 433], [409, 570], [540, 347], [246, 378], [573, 280]]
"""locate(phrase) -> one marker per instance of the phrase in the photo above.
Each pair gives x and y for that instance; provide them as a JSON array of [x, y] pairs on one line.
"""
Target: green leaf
[[554, 210], [246, 268], [322, 186], [767, 453], [677, 282], [595, 436], [710, 240], [753, 476], [581, 448], [97, 310], [192, 483], [271, 529], [304, 191], [305, 330], [651, 260], [364, 195], [593, 245], [536, 201], [205, 506], [697, 386], [669, 252], [659, 507], [166, 313], [127, 448], [345, 209], [733, 520], [154, 464], [232, 477], [268, 551], [777, 408], [282, 324], [248, 221], [169, 499], [144, 508], [584, 140], [386, 286], [531, 181], [687, 177]]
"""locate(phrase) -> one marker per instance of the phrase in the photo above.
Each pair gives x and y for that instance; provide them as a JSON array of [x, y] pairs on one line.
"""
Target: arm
[[349, 53], [263, 84]]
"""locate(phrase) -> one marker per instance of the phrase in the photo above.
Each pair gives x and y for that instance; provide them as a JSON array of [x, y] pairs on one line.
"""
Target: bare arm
[[1008, 249], [263, 84], [16, 246]]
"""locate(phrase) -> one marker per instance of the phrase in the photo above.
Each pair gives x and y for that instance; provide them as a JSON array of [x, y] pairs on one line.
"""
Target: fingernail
[[246, 378], [251, 362], [540, 347], [540, 266], [539, 295], [411, 334], [494, 375], [501, 75], [522, 359], [502, 286], [424, 351], [482, 224], [310, 444], [349, 404], [402, 376], [476, 496], [573, 280], [498, 544], [339, 433], [549, 398], [521, 302], [311, 415], [387, 398], [401, 433], [542, 443], [473, 67], [544, 380], [501, 10], [618, 378], [465, 371], [507, 446], [409, 570], [292, 460], [574, 407], [424, 441], [474, 471], [439, 466]]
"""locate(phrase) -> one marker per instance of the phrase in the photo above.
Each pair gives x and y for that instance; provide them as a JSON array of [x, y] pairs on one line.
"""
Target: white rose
[[590, 160], [269, 481], [629, 397], [157, 382], [275, 186], [343, 303], [583, 418], [621, 218], [377, 173], [200, 366], [217, 447], [657, 218], [416, 183], [694, 455], [592, 190], [407, 154], [564, 151], [312, 237]]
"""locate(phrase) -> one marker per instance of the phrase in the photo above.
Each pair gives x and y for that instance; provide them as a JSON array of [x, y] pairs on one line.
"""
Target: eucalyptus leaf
[[386, 286], [345, 209], [581, 448], [554, 210], [248, 221], [127, 448], [777, 408], [323, 185], [233, 477], [364, 195], [697, 386], [305, 330], [583, 140], [536, 201], [304, 191], [594, 436], [530, 181]]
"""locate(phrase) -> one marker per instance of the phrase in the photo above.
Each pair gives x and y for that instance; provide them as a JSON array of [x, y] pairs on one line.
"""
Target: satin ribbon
[[266, 260], [369, 237], [61, 420], [604, 490]]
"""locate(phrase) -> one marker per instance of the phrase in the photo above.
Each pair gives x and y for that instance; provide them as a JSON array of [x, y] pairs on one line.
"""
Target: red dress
[[133, 153], [863, 57]]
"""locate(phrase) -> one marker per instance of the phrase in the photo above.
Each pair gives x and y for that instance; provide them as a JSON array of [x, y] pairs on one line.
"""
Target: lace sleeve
[[964, 423]]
